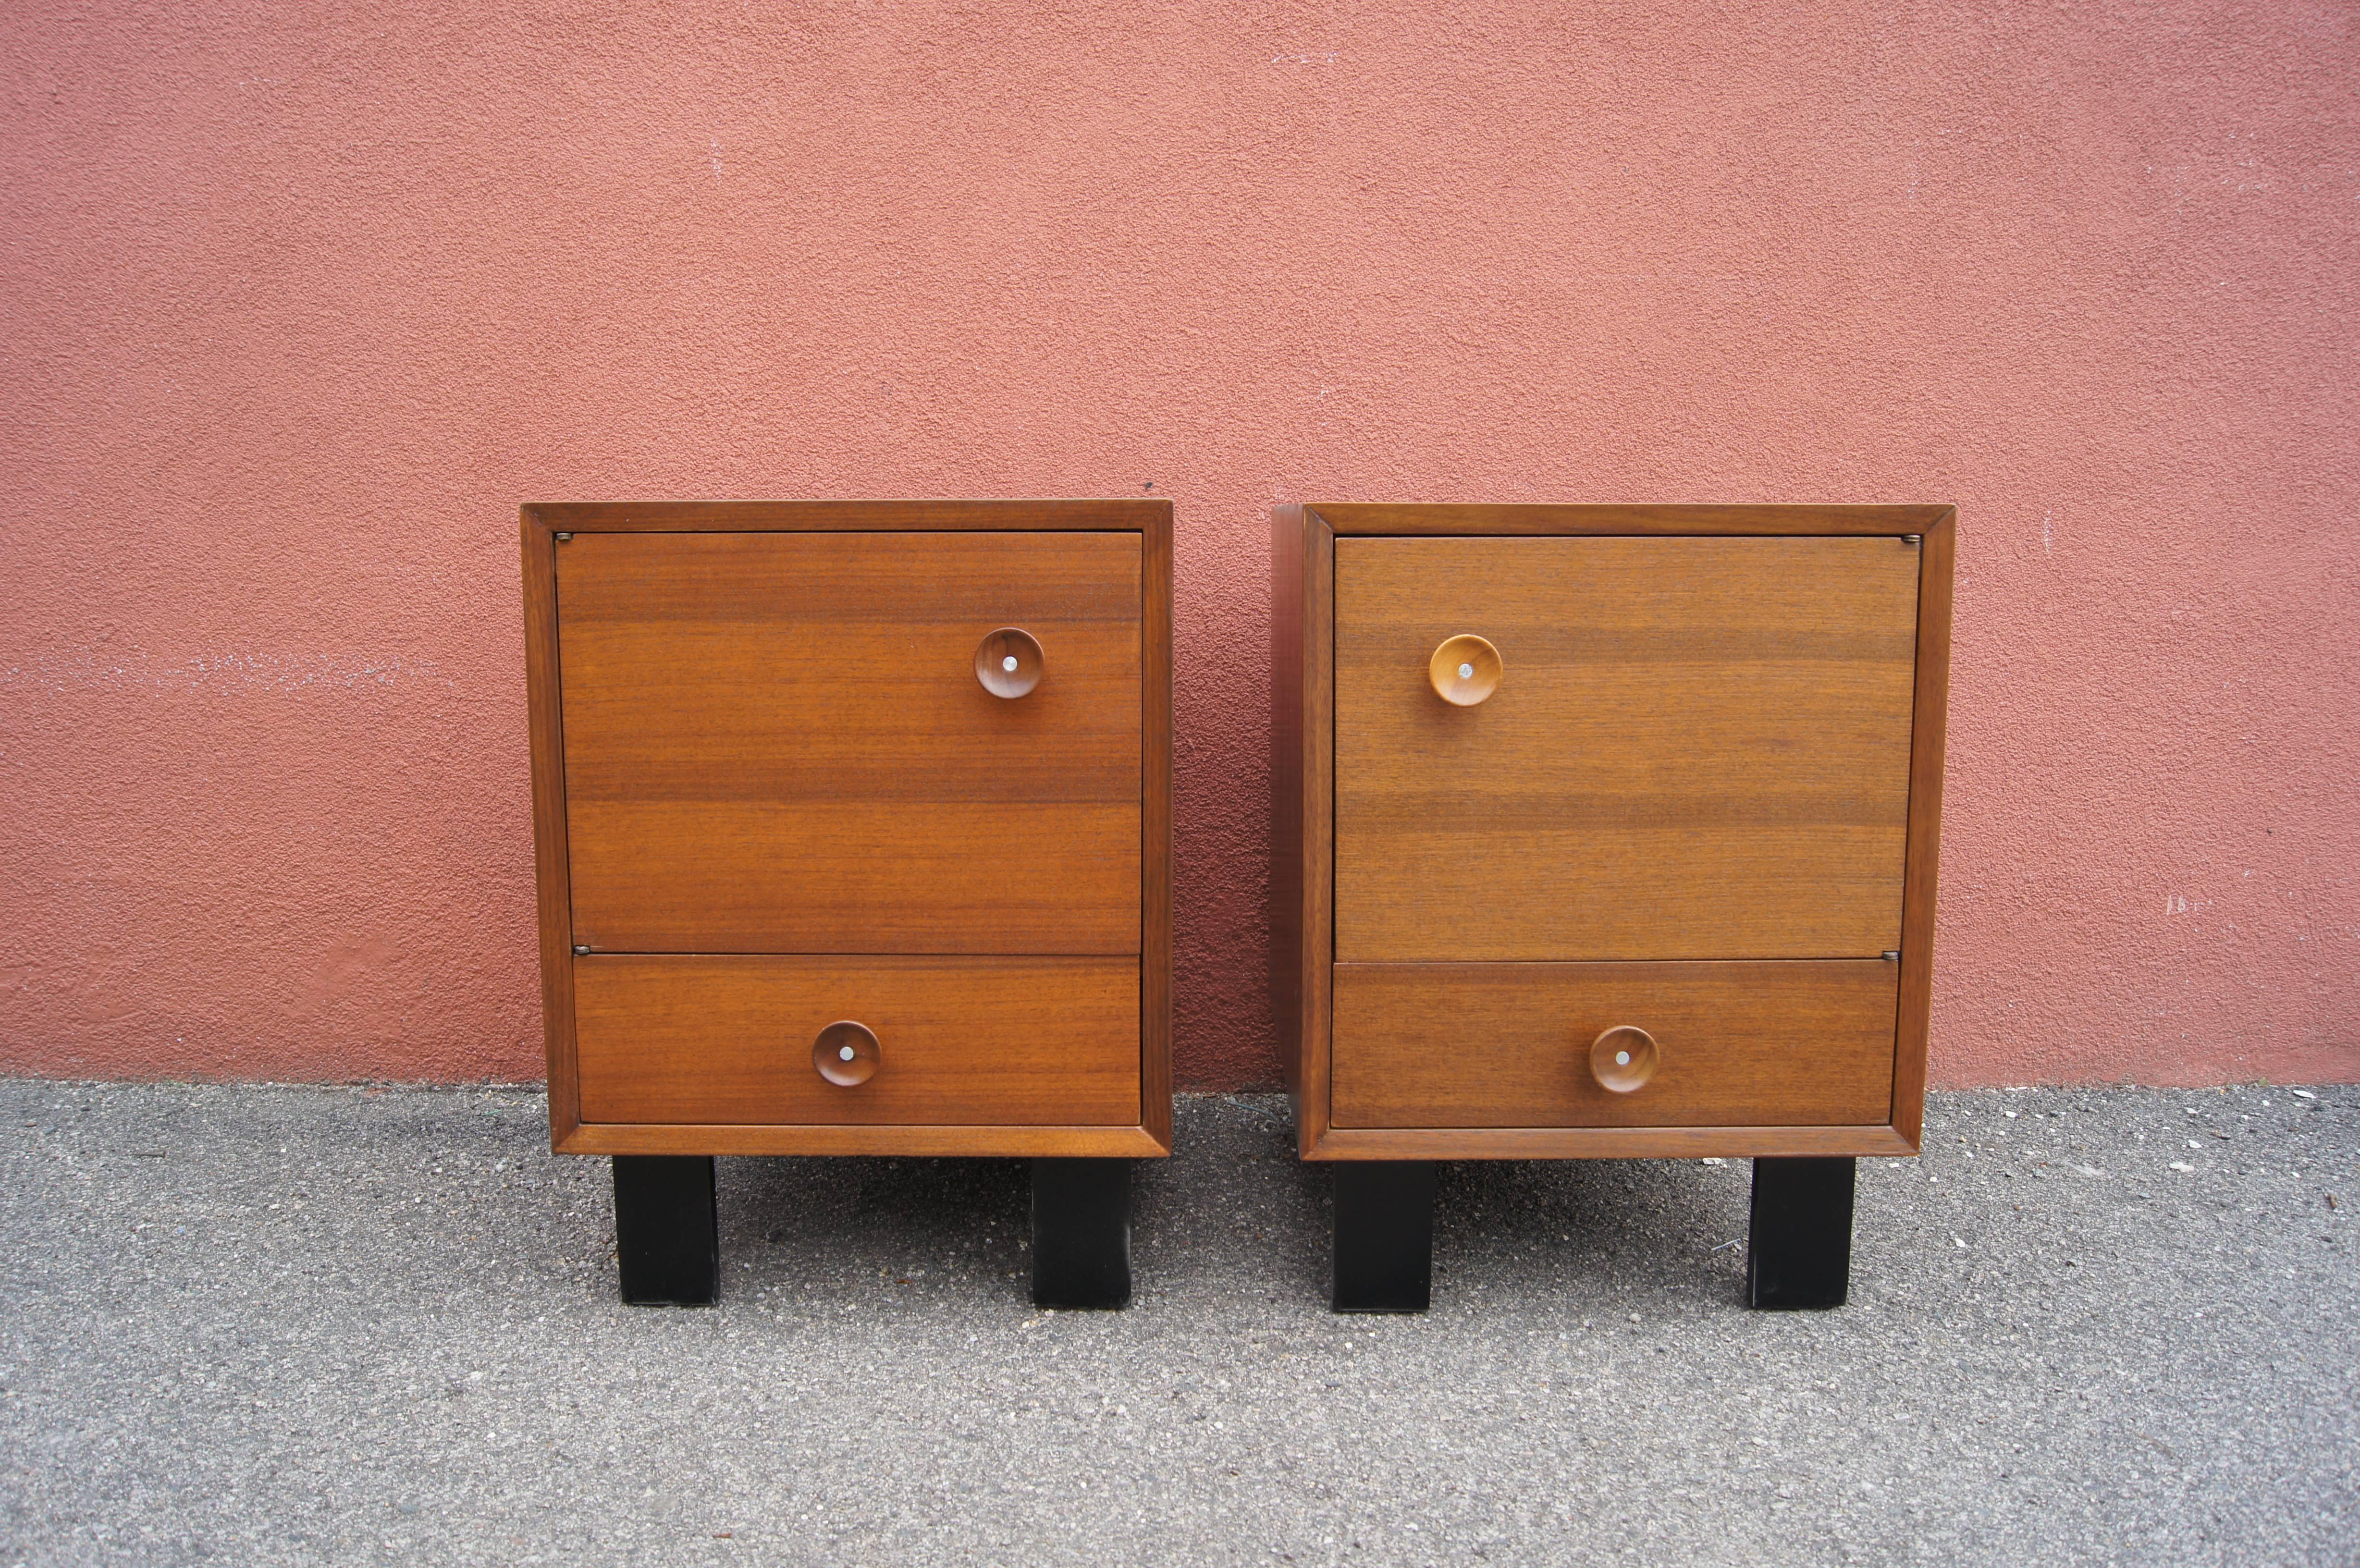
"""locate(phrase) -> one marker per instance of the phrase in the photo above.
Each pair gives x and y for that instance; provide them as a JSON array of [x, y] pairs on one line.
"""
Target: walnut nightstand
[[853, 824], [1606, 832]]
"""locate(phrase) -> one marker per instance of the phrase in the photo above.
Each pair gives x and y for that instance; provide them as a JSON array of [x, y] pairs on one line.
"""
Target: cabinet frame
[[540, 522], [1303, 818]]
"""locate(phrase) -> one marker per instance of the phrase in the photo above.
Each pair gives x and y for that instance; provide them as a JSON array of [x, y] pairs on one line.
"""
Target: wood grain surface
[[1154, 912], [996, 1142], [775, 742], [1476, 1045], [1700, 748], [728, 1039], [1286, 803], [1549, 517], [1602, 1142], [1301, 799], [1129, 514], [1929, 727], [552, 878]]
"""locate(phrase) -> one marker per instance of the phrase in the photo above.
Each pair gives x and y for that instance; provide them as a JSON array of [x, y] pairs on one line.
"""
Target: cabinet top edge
[[1542, 517], [1109, 515]]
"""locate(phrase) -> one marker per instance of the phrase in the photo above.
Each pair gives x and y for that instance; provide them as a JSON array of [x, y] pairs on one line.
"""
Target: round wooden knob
[[1465, 669], [1623, 1058], [1007, 663], [845, 1053]]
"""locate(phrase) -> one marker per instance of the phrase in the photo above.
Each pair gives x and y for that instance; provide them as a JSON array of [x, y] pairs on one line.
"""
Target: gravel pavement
[[260, 1324]]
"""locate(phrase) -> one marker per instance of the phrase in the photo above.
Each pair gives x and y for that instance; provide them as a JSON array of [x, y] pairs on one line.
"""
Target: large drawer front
[[777, 743], [1805, 1043], [1700, 748], [1000, 1041]]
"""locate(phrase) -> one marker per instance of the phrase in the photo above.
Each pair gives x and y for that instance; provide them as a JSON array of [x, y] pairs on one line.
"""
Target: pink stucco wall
[[299, 300]]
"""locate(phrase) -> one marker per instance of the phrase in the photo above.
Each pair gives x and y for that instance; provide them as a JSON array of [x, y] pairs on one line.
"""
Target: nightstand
[[1606, 832], [853, 823]]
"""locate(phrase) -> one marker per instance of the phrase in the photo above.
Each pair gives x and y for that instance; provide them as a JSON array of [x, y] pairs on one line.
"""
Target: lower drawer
[[1005, 1042], [1792, 1043]]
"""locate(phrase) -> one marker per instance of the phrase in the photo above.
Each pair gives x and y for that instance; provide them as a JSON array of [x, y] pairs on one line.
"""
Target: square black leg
[[1081, 1233], [1800, 1251], [1384, 1234], [665, 1234]]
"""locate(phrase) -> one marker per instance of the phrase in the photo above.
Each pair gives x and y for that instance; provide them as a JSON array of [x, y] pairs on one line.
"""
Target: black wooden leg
[[664, 1230], [1081, 1233], [1384, 1234], [1799, 1254]]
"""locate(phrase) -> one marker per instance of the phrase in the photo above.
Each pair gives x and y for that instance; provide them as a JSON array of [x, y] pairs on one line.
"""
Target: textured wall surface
[[298, 302]]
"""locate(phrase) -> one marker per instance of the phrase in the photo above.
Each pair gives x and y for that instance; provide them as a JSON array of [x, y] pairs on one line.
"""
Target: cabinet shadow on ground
[[1235, 1212]]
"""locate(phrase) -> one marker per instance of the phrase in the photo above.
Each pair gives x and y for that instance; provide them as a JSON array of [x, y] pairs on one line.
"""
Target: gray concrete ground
[[263, 1325]]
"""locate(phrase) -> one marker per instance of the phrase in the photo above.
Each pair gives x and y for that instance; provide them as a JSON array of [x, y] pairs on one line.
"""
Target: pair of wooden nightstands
[[1598, 832]]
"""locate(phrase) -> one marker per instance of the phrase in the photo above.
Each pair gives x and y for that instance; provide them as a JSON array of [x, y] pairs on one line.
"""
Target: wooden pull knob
[[1007, 663], [1623, 1058], [1464, 670], [845, 1053]]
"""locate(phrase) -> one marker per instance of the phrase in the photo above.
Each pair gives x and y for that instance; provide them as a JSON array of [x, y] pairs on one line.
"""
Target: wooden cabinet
[[898, 767], [1542, 774]]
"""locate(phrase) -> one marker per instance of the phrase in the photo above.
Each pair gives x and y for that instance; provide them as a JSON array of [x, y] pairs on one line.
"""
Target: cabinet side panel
[[1928, 724], [1155, 830], [552, 887], [1286, 791], [1316, 856]]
